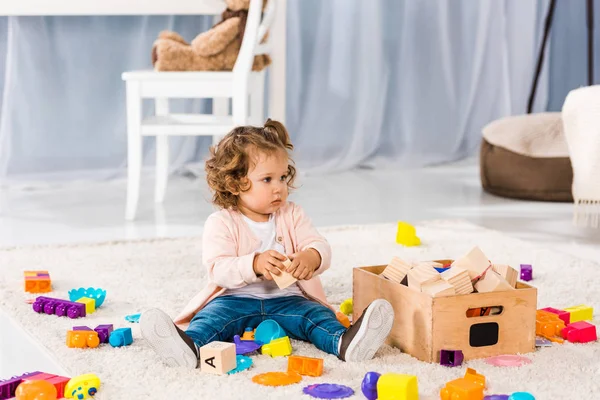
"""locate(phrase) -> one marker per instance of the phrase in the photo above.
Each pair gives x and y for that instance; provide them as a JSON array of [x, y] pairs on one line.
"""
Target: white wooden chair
[[244, 86]]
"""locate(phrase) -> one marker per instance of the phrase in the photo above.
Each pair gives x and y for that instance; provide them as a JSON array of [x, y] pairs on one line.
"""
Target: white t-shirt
[[266, 232]]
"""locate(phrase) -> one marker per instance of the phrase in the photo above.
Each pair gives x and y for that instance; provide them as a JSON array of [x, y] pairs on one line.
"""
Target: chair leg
[[240, 104], [162, 154], [257, 102], [134, 148], [220, 108]]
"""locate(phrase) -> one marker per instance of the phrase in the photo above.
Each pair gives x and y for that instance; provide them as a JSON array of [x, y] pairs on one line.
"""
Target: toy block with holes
[[285, 279], [459, 279], [397, 270], [90, 304], [468, 388], [475, 262], [9, 387], [439, 288], [37, 281], [507, 272], [549, 326], [82, 339], [492, 282], [104, 332], [421, 275], [305, 365], [580, 313], [565, 316], [217, 358], [580, 332], [451, 358], [59, 307]]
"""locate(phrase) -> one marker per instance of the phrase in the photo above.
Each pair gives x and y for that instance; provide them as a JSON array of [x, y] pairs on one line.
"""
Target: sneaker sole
[[162, 336], [373, 331]]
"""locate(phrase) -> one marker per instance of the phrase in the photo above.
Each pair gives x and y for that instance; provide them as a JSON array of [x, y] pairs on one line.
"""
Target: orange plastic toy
[[473, 376], [35, 390], [82, 339], [305, 365], [277, 378], [37, 281], [343, 318], [468, 388], [548, 325]]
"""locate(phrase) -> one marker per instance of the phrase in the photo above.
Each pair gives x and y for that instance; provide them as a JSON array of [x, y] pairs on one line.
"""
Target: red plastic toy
[[580, 332]]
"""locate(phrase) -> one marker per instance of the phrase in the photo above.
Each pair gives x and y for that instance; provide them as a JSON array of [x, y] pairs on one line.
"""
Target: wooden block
[[396, 270], [475, 262], [507, 272], [285, 279], [217, 358], [459, 279], [432, 264], [422, 275], [492, 282], [439, 288]]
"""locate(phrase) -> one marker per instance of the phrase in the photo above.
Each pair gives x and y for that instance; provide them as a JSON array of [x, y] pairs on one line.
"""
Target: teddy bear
[[214, 50]]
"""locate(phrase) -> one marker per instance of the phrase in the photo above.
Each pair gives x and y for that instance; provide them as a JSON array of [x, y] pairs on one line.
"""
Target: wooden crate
[[425, 325]]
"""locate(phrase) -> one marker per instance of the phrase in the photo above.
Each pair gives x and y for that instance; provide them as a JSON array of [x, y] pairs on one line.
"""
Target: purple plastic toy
[[82, 328], [526, 272], [369, 385], [244, 346], [451, 358], [61, 308], [328, 391], [9, 386], [496, 397], [104, 332]]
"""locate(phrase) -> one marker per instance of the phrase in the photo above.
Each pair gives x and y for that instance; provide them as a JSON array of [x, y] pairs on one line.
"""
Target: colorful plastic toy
[[369, 385], [305, 365], [99, 295], [61, 308], [496, 397], [397, 387], [277, 378], [461, 389], [548, 325], [473, 376], [565, 316], [347, 307], [521, 396], [328, 391], [36, 390], [245, 346], [9, 386], [267, 331], [451, 358], [407, 235], [90, 304], [133, 318], [580, 313], [526, 272], [104, 332], [509, 360], [82, 386], [542, 342], [82, 339], [342, 318], [248, 334], [278, 347], [120, 337], [580, 332], [37, 281], [242, 363]]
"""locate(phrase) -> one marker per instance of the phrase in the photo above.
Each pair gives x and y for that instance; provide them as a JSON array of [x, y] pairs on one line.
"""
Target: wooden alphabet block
[[459, 279], [475, 262], [492, 282], [285, 279], [439, 288], [507, 272], [422, 275], [396, 270], [217, 358]]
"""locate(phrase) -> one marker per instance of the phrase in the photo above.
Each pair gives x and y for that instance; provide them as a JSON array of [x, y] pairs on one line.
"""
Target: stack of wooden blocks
[[473, 272]]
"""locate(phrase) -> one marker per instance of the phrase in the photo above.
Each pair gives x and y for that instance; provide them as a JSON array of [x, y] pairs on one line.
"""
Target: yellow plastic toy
[[83, 385], [397, 387], [580, 313], [347, 306], [407, 235], [90, 304], [278, 347]]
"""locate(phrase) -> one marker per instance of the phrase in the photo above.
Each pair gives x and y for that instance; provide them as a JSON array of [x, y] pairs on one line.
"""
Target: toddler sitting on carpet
[[244, 245]]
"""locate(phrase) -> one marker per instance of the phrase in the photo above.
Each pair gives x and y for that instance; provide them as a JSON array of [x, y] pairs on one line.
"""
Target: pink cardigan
[[229, 246]]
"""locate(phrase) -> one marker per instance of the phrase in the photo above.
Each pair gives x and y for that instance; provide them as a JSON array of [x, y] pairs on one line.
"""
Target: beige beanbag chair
[[526, 157]]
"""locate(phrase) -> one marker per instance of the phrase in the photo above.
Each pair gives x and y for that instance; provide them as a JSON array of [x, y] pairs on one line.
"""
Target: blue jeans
[[226, 316]]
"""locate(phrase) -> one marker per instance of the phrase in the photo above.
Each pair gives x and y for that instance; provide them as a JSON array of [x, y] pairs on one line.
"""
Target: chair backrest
[[256, 28]]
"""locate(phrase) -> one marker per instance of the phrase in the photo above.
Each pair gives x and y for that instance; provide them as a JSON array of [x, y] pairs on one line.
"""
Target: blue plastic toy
[[245, 346], [268, 330], [369, 385], [521, 396], [93, 293], [242, 363], [133, 317], [120, 337]]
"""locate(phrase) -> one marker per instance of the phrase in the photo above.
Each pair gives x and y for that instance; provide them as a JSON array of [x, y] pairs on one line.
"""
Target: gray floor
[[87, 212]]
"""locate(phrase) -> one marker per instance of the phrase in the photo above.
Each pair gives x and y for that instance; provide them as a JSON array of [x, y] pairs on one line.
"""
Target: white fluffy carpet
[[166, 273]]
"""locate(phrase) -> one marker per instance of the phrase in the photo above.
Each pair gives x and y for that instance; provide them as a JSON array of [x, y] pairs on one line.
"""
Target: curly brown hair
[[229, 161]]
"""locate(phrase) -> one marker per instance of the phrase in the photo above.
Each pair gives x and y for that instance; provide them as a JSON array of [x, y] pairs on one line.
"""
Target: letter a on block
[[217, 358], [210, 361]]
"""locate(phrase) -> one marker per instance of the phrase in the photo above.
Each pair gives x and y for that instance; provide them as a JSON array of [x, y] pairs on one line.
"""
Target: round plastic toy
[[268, 330], [242, 363], [35, 390], [508, 360], [82, 386], [369, 385], [496, 397], [245, 346], [521, 396], [97, 294], [277, 378], [328, 391], [133, 317], [347, 306]]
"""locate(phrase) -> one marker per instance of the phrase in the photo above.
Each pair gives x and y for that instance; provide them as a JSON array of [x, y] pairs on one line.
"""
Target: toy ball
[[36, 390], [97, 294]]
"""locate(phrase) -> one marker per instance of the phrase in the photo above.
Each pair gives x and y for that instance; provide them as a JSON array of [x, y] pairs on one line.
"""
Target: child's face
[[268, 186]]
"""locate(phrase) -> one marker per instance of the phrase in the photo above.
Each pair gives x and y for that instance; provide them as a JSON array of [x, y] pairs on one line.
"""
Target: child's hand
[[304, 264], [268, 264]]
